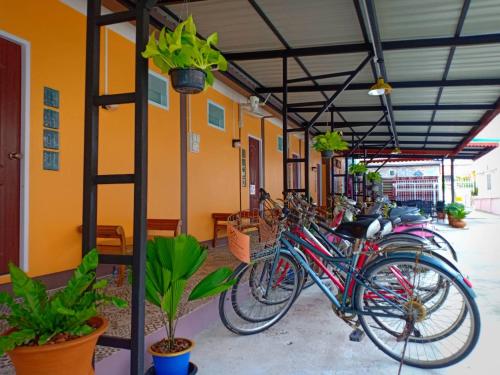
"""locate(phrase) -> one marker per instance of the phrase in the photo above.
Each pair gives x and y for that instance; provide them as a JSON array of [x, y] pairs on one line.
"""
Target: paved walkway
[[311, 340]]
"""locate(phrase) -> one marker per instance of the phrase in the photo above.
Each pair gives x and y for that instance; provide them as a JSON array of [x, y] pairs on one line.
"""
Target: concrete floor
[[312, 340]]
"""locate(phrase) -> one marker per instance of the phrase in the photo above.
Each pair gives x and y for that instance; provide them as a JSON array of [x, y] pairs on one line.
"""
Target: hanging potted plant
[[328, 143], [188, 59], [374, 177], [55, 334], [358, 169], [170, 263]]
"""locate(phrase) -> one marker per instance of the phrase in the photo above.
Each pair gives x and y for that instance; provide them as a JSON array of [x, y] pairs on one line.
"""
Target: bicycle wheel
[[435, 238], [416, 335], [260, 297]]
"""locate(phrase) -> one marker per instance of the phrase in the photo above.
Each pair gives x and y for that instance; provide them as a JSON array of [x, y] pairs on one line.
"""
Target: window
[[216, 116], [280, 143], [158, 90]]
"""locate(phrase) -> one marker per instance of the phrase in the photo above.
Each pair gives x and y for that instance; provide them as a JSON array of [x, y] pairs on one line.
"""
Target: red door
[[254, 169], [10, 148]]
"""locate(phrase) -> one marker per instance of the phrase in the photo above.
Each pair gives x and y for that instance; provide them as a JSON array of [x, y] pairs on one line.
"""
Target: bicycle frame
[[344, 264]]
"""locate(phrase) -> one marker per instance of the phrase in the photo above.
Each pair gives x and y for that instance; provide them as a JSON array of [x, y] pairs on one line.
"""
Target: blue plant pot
[[172, 363]]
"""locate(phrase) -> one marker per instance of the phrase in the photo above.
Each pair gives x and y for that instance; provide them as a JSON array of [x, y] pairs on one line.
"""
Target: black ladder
[[286, 131], [91, 179]]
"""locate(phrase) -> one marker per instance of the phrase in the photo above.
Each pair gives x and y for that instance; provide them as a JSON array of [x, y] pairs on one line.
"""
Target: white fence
[[416, 188]]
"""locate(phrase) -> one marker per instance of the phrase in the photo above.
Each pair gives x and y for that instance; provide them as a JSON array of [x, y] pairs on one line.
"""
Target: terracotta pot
[[441, 215], [457, 223], [451, 219], [71, 357]]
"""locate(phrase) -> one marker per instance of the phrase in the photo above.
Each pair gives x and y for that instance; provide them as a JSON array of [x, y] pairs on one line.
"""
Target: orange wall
[[58, 60]]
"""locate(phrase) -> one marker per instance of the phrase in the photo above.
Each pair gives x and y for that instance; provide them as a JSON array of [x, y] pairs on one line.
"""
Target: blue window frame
[[157, 90], [216, 116], [280, 143]]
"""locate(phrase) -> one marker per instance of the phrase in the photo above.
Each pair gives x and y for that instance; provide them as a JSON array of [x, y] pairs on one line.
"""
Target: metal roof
[[441, 57]]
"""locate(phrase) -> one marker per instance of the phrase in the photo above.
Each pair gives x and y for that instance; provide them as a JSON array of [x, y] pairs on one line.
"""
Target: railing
[[415, 188]]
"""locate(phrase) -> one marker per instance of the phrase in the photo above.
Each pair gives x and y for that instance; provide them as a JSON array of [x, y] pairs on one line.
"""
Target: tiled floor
[[119, 319]]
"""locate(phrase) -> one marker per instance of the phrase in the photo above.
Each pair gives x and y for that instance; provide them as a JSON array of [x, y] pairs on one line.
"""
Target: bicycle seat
[[414, 219], [395, 220], [368, 216], [400, 211], [386, 227], [360, 229]]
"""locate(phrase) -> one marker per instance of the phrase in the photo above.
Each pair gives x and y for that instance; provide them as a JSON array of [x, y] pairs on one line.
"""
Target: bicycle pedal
[[357, 335]]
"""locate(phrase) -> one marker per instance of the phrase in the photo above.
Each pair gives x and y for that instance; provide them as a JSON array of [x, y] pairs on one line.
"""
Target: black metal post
[[184, 154], [140, 188], [443, 183], [284, 114], [346, 175], [452, 178], [91, 145], [306, 162]]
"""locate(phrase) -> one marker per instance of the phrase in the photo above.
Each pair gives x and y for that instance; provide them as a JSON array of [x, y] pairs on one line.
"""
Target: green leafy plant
[[451, 208], [374, 177], [357, 168], [459, 213], [183, 49], [37, 318], [170, 263], [330, 141]]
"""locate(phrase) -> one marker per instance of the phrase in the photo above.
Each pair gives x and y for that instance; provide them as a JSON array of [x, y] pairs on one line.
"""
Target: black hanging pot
[[188, 80], [327, 154]]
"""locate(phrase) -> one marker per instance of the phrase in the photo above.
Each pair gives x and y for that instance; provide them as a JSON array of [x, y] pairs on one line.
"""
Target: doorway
[[10, 152], [255, 167]]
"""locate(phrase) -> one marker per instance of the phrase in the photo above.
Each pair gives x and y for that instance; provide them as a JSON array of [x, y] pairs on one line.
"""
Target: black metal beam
[[367, 144], [356, 124], [364, 86], [451, 54], [321, 76], [411, 107], [364, 136], [284, 115], [365, 47], [407, 134], [346, 84]]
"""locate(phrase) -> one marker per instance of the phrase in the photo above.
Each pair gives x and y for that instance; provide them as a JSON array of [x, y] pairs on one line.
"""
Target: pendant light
[[380, 88]]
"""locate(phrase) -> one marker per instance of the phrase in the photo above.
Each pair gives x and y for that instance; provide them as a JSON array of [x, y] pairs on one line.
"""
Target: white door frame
[[25, 143]]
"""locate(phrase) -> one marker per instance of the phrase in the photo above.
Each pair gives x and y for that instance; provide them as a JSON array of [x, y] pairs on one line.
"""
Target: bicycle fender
[[433, 260]]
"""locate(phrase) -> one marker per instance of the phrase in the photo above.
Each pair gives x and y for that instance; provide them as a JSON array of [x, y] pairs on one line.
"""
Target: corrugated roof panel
[[470, 94], [441, 146], [402, 137], [414, 96], [270, 72], [458, 115], [410, 19], [240, 28], [312, 23], [451, 129], [411, 129], [434, 138], [482, 18], [356, 98], [412, 115], [417, 64], [362, 116], [338, 63], [301, 97], [476, 62]]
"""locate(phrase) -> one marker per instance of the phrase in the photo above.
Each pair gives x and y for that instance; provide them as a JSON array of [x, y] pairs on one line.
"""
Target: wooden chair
[[220, 222], [115, 243], [164, 225]]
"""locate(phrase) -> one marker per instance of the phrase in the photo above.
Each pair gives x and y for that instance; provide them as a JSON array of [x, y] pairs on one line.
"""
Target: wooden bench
[[115, 243], [220, 222], [164, 225]]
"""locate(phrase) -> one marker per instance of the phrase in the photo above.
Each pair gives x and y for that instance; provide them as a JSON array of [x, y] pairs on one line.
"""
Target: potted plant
[[451, 208], [458, 215], [374, 177], [358, 169], [328, 143], [57, 333], [188, 59], [170, 263]]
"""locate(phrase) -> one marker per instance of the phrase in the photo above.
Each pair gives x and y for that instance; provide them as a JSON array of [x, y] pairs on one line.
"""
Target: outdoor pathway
[[311, 340]]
